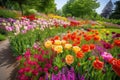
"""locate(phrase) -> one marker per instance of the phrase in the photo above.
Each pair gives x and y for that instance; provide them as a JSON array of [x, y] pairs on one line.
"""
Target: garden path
[[8, 64]]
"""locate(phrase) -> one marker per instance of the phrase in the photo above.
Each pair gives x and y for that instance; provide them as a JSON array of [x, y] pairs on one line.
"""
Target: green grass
[[114, 30], [2, 37], [110, 30]]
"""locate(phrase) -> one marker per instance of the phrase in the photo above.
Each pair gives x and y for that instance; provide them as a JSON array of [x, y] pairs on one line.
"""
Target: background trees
[[80, 8], [45, 6], [116, 12]]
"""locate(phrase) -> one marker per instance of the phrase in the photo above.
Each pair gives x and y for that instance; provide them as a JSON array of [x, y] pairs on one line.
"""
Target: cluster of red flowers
[[115, 65], [34, 64], [30, 17], [117, 42], [74, 23]]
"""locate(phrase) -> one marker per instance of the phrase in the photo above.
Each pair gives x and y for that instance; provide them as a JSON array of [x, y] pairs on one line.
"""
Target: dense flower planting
[[57, 48], [82, 51]]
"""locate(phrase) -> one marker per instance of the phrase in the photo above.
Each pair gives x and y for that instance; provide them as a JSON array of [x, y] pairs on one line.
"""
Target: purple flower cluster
[[67, 74]]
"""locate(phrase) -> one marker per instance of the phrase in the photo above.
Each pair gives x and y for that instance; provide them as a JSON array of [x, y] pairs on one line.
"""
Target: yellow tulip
[[48, 44], [58, 49], [63, 42], [76, 49], [68, 46], [57, 42]]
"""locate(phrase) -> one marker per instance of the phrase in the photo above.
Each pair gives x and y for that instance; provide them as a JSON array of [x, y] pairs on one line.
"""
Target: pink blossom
[[27, 54], [19, 58], [27, 69], [106, 56], [21, 71], [23, 77], [45, 69], [35, 72]]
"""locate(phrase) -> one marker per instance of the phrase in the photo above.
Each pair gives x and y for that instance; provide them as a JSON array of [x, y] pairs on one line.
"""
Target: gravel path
[[8, 64]]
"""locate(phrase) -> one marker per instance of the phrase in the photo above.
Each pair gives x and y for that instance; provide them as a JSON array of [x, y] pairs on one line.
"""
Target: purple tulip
[[106, 45]]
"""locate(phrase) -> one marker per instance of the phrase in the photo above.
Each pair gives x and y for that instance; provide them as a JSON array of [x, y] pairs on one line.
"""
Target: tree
[[116, 12], [67, 8], [5, 3], [80, 8], [59, 12], [20, 3], [47, 6]]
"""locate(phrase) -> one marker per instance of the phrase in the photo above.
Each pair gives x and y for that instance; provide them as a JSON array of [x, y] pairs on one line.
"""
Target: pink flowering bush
[[35, 64]]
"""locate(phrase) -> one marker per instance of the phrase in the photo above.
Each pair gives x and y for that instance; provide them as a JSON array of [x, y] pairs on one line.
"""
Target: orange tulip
[[85, 48], [96, 38], [80, 54], [56, 38], [69, 59], [92, 46], [88, 38], [97, 64]]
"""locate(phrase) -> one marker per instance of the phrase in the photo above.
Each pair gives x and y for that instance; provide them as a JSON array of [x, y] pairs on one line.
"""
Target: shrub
[[3, 31], [21, 42], [7, 14], [2, 37], [30, 11]]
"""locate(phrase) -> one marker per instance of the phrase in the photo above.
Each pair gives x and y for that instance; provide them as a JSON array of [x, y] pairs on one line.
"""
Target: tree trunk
[[21, 8]]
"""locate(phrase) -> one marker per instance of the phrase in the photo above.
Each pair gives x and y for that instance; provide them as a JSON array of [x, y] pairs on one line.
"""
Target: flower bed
[[77, 55], [55, 48]]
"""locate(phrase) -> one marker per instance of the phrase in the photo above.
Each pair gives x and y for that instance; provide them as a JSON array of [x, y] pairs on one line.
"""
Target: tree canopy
[[80, 8], [47, 6], [116, 12]]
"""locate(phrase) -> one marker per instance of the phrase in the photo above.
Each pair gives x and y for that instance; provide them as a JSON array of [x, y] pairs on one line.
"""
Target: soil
[[8, 64]]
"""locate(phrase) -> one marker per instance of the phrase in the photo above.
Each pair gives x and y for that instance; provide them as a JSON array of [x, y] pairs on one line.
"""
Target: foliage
[[80, 8], [3, 31], [30, 11], [67, 7], [7, 14], [2, 37], [19, 43], [47, 6], [59, 12], [116, 12], [99, 18]]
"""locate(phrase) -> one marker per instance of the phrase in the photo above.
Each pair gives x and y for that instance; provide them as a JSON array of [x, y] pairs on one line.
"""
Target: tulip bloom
[[85, 48], [97, 64], [76, 49], [68, 46], [117, 42], [96, 38], [92, 46], [58, 49], [69, 59], [80, 54], [48, 44]]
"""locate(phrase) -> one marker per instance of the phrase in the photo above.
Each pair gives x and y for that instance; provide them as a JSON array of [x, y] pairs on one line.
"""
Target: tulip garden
[[51, 47]]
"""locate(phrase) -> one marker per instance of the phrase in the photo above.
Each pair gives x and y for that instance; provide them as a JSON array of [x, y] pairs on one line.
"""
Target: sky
[[60, 3]]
